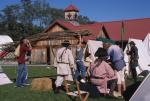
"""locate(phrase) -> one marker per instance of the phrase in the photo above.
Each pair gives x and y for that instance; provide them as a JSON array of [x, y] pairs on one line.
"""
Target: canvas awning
[[144, 57]]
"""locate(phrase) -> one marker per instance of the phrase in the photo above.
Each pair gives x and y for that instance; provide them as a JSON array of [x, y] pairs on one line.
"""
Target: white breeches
[[60, 80]]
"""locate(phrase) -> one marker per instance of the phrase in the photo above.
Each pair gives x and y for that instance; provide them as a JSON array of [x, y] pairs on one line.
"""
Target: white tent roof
[[4, 79], [5, 39], [146, 43], [92, 46], [144, 58]]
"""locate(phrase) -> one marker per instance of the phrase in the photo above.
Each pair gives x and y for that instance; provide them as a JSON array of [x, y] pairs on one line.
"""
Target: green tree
[[10, 22], [26, 15], [57, 14], [83, 19], [42, 13], [30, 17]]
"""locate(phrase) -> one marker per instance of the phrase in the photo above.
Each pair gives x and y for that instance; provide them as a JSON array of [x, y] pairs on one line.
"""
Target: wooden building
[[46, 43]]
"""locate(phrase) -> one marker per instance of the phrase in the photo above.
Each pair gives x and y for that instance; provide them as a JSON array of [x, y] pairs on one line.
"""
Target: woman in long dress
[[101, 72]]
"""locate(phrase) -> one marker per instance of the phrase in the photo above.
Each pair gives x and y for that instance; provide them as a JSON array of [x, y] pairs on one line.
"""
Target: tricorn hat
[[131, 42], [66, 43]]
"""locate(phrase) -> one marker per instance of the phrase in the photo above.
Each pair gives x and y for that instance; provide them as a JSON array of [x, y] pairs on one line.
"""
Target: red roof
[[93, 28], [136, 28], [71, 8], [65, 24]]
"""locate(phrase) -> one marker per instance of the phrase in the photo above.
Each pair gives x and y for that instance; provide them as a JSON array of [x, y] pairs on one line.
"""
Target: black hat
[[66, 43], [131, 42], [101, 53], [83, 42]]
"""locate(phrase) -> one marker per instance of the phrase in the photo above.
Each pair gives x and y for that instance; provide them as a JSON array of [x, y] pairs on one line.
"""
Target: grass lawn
[[10, 93]]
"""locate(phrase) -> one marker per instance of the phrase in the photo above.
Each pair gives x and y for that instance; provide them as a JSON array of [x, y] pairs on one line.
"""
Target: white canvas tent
[[144, 58], [146, 43], [92, 47], [4, 79], [4, 39]]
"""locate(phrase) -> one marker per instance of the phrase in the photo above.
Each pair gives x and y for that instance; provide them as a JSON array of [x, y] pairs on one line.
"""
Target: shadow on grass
[[94, 93], [92, 89], [130, 90]]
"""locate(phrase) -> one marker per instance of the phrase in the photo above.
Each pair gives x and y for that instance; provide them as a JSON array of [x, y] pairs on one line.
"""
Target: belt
[[97, 77], [62, 62]]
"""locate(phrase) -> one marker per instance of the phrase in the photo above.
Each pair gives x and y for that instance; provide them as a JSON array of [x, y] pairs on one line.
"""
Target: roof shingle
[[136, 28], [71, 8]]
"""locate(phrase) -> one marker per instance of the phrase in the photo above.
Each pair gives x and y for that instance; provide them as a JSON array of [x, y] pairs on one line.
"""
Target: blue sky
[[102, 10]]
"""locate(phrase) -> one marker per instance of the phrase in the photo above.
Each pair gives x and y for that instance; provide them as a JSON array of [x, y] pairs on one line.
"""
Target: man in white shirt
[[65, 62]]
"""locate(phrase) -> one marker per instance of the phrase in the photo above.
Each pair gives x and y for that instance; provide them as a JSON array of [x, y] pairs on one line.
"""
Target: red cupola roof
[[71, 8]]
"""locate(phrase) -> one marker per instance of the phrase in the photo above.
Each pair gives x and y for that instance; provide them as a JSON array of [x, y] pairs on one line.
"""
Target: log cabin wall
[[50, 46], [45, 51], [39, 55]]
